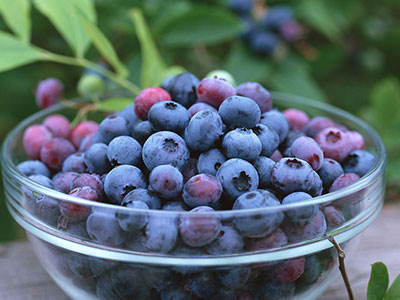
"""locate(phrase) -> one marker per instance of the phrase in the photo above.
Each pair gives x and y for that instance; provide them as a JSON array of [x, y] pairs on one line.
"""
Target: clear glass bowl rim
[[10, 169]]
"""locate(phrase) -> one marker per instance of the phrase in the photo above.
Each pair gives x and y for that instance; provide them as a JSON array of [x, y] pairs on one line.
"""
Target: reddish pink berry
[[343, 181], [258, 93], [48, 92], [214, 91], [58, 125], [290, 270], [356, 140], [308, 149], [54, 152], [315, 125], [91, 180], [276, 239], [35, 137], [202, 189], [335, 143], [82, 130], [76, 212], [297, 119], [276, 156], [147, 98]]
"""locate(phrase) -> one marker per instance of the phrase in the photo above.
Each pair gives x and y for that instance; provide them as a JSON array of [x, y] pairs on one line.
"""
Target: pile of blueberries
[[202, 147], [265, 34]]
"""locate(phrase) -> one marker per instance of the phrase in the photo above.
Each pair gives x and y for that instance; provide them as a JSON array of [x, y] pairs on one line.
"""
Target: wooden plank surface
[[23, 278]]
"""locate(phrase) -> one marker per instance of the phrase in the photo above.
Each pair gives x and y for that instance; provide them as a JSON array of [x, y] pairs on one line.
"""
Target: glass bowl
[[271, 258]]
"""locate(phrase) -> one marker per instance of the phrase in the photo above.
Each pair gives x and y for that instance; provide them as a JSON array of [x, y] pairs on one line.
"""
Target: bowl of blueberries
[[198, 190]]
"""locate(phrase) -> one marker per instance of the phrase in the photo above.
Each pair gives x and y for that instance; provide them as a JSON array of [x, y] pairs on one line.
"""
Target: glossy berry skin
[[241, 143], [238, 112], [269, 139], [343, 181], [334, 217], [303, 214], [276, 239], [58, 125], [82, 130], [54, 152], [261, 225], [297, 118], [166, 181], [329, 171], [124, 150], [289, 270], [90, 180], [202, 284], [334, 142], [200, 227], [165, 147], [313, 229], [240, 7], [182, 88], [359, 162], [275, 120], [168, 115], [35, 137], [147, 98], [264, 167], [214, 91], [62, 181], [143, 195], [199, 106], [74, 163], [315, 125], [204, 130], [112, 127], [258, 93], [96, 159], [202, 189], [77, 212], [48, 92], [307, 149], [295, 175], [264, 42], [141, 131], [103, 227], [33, 167], [228, 241], [210, 161], [160, 235], [121, 180], [237, 177]]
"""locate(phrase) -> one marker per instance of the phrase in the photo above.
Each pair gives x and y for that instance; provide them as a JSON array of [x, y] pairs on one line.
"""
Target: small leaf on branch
[[378, 282], [114, 104], [394, 290], [16, 14]]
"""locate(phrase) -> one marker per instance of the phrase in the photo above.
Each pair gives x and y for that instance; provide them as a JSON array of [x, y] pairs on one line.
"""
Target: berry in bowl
[[198, 190]]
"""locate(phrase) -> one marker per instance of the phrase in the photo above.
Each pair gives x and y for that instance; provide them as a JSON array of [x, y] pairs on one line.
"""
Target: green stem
[[82, 62]]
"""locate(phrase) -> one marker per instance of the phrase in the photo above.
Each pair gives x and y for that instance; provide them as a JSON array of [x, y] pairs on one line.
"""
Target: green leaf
[[292, 76], [317, 14], [200, 25], [114, 104], [66, 18], [104, 47], [87, 8], [16, 14], [152, 65], [378, 282], [394, 290], [15, 53]]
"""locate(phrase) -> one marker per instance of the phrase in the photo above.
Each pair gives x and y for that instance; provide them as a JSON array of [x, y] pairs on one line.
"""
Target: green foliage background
[[349, 57]]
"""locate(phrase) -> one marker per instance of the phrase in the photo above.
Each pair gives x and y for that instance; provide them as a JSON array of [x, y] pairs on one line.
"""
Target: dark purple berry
[[48, 92], [359, 162], [214, 91], [166, 181]]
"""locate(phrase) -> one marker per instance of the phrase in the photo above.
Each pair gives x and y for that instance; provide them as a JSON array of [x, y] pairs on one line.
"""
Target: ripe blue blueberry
[[329, 171], [238, 111], [333, 216], [312, 270], [124, 150], [277, 121], [87, 266], [359, 162], [96, 159], [129, 114], [312, 229], [160, 234], [175, 206], [168, 115], [228, 241], [264, 42], [291, 137], [112, 127], [133, 221], [303, 214], [199, 106], [269, 139], [272, 290], [75, 163], [174, 292], [182, 88], [210, 161], [203, 284], [264, 167], [142, 130], [143, 195], [234, 278], [240, 7], [242, 143], [166, 181], [276, 16], [33, 167]]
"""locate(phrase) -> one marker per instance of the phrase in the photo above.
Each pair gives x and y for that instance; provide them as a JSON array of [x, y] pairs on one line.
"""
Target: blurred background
[[344, 52]]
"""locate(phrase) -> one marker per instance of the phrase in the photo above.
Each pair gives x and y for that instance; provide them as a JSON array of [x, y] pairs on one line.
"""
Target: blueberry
[[48, 92], [228, 241], [269, 139], [133, 221], [240, 7], [77, 212], [359, 162], [142, 130], [275, 120], [74, 163], [90, 180], [147, 98], [203, 130], [276, 239], [112, 127], [58, 125], [161, 234], [258, 93], [165, 147], [43, 180], [315, 228], [264, 42], [190, 170], [129, 114], [103, 227], [335, 143], [276, 156], [237, 177], [210, 161], [214, 91], [329, 171], [334, 217], [33, 167], [121, 180], [47, 209], [272, 290], [168, 115], [175, 206], [75, 229], [82, 130], [234, 278], [202, 189], [343, 181], [159, 278], [290, 138], [264, 167], [290, 270], [166, 181], [199, 227], [124, 150], [199, 106], [182, 88], [303, 214], [276, 16], [257, 225], [62, 181], [295, 175], [55, 151], [297, 118], [315, 125], [307, 149], [174, 293], [223, 75], [203, 285], [143, 195], [87, 266], [96, 158], [242, 143], [313, 269], [238, 111]]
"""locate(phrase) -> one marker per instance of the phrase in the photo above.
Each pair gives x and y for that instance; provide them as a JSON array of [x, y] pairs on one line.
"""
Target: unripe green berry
[[90, 85], [222, 74]]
